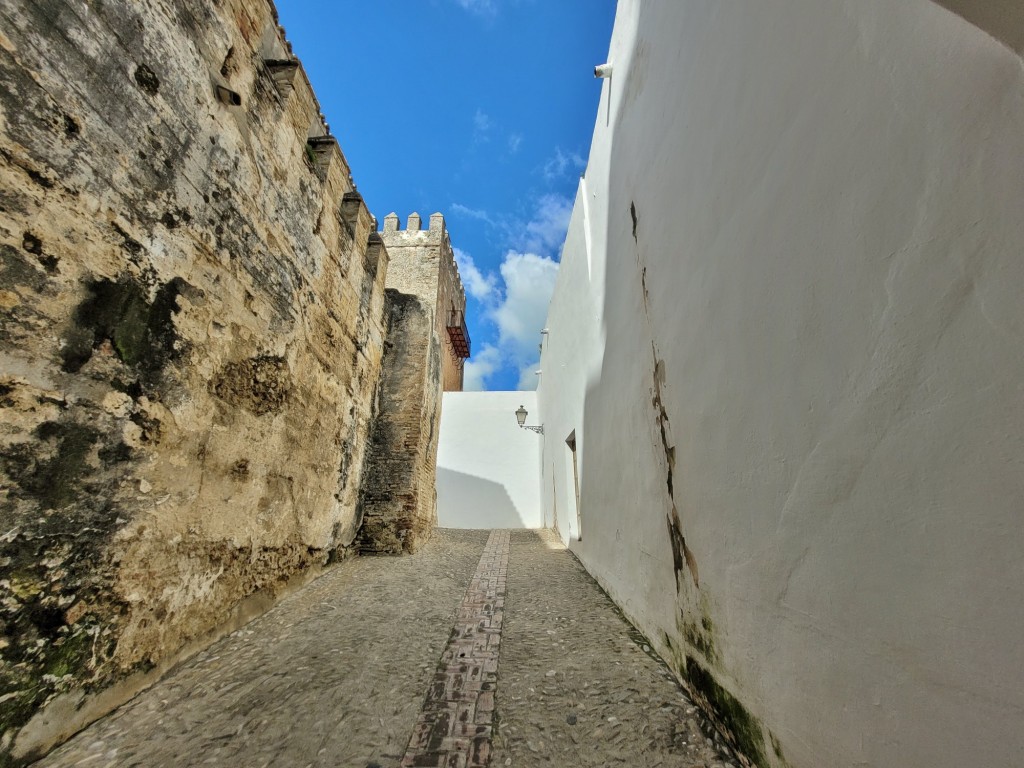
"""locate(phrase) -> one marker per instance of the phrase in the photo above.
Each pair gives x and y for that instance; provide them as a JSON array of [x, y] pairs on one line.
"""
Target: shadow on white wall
[[474, 502], [488, 469]]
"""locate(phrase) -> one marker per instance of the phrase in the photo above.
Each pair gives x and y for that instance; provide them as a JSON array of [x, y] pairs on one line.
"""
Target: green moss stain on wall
[[141, 331]]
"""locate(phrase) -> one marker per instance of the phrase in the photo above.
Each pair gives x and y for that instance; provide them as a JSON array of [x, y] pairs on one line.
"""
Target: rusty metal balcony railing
[[458, 333]]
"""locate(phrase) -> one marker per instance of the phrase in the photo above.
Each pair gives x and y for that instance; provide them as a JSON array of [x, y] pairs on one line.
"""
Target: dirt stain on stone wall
[[259, 384], [170, 316], [141, 331]]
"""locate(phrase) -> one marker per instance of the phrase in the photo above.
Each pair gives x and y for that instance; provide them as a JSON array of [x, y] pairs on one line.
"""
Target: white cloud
[[517, 304], [473, 213], [479, 7], [482, 125], [514, 142], [545, 232], [528, 378], [519, 314], [480, 286], [561, 164], [479, 367], [529, 281]]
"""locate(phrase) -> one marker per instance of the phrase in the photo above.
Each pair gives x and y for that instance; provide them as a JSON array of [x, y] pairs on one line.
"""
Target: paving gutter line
[[456, 725]]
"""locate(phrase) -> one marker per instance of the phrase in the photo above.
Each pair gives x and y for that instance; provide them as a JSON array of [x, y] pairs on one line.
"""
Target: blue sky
[[480, 109]]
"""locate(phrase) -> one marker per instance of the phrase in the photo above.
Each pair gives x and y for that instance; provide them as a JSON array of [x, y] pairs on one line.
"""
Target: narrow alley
[[387, 662]]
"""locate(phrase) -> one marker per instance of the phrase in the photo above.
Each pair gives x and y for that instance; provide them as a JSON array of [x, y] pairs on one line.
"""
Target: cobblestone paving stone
[[454, 730], [332, 676], [363, 669], [575, 687]]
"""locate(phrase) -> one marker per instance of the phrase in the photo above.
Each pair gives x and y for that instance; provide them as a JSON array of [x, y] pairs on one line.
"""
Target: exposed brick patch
[[455, 727], [397, 497]]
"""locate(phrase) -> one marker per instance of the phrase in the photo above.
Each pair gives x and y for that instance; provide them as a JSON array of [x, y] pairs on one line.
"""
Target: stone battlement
[[435, 234], [415, 224]]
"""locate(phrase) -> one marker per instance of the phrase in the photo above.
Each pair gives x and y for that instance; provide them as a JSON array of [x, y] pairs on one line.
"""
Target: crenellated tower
[[426, 345], [422, 264]]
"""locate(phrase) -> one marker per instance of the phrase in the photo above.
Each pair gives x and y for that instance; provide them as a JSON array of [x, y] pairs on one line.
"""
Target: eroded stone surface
[[399, 500], [422, 263], [190, 337]]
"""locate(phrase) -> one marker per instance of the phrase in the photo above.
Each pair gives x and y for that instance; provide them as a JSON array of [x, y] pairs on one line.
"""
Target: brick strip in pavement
[[455, 728]]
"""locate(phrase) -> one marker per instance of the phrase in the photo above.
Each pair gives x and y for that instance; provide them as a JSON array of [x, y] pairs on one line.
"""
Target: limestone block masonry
[[398, 504], [422, 263], [191, 338]]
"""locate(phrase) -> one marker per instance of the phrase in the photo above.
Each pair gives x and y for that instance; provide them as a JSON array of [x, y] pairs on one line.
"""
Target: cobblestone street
[[390, 661]]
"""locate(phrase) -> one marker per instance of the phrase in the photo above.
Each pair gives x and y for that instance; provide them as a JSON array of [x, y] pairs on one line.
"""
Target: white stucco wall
[[487, 467], [807, 361]]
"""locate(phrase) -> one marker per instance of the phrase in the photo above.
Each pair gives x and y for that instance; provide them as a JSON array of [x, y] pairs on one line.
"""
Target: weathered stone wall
[[398, 501], [451, 298], [422, 263], [190, 338], [399, 498]]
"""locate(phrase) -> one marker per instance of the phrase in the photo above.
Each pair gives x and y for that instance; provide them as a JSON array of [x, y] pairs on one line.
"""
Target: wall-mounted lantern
[[521, 418]]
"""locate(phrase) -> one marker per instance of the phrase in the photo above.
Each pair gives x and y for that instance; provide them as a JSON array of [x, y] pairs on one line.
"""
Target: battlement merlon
[[436, 230], [412, 243]]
